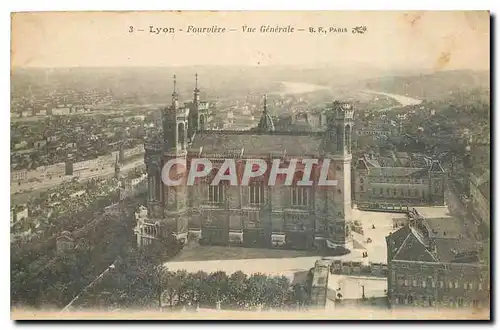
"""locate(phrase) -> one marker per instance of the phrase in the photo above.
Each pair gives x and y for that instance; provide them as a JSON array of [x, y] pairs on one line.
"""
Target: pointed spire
[[175, 95], [175, 85], [266, 123], [196, 92]]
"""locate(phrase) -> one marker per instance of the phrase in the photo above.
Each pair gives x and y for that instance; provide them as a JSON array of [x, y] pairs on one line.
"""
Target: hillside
[[156, 83], [435, 86]]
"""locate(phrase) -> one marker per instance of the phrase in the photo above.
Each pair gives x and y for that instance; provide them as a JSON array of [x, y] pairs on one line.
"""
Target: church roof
[[255, 143], [266, 123]]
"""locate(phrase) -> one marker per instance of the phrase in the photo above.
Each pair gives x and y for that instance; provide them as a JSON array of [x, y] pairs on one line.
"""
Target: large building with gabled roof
[[437, 262], [400, 180], [298, 217]]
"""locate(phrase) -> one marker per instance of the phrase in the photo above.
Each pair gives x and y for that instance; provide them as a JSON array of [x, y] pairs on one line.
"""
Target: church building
[[257, 215]]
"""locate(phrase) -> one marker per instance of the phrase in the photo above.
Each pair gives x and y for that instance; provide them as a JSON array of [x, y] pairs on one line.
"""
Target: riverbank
[[403, 100], [291, 87]]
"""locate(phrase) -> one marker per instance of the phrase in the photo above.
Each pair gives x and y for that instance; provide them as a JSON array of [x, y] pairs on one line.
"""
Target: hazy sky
[[439, 40]]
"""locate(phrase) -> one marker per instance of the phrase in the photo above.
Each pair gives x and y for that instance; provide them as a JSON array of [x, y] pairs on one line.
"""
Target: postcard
[[250, 165]]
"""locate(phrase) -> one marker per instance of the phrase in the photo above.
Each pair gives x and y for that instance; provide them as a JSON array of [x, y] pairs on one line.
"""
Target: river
[[300, 88], [292, 87], [403, 100]]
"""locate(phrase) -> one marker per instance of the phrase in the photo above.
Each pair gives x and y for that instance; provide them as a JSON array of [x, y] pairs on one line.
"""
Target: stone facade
[[319, 285], [432, 263], [378, 187], [427, 284], [258, 214]]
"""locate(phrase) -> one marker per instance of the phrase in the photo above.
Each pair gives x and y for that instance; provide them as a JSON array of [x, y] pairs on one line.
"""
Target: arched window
[[340, 138], [202, 122], [300, 196], [181, 135], [298, 175], [256, 189], [347, 138]]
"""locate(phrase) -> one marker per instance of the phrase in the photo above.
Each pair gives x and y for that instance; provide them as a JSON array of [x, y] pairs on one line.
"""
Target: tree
[[299, 294], [193, 286], [255, 291], [237, 287], [277, 291], [218, 287], [180, 284], [163, 248]]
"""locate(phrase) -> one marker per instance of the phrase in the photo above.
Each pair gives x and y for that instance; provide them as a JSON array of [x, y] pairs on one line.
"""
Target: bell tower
[[344, 120], [175, 124], [175, 136], [196, 92], [194, 114], [337, 147]]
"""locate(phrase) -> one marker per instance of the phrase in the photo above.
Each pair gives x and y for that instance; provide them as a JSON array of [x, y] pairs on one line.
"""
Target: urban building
[[65, 242], [379, 127], [399, 183], [133, 187], [435, 262], [18, 177], [319, 284], [258, 215], [18, 213], [479, 205], [479, 185]]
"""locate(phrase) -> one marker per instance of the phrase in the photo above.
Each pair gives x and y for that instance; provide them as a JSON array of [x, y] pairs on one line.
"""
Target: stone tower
[[175, 124], [174, 198], [338, 149], [194, 114], [319, 284]]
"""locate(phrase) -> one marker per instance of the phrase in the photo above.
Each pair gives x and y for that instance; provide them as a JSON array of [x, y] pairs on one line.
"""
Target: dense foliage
[[44, 277], [142, 281]]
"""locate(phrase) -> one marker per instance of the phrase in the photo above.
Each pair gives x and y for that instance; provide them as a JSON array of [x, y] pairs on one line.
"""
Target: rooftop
[[446, 227], [456, 250], [399, 171], [416, 245], [266, 143], [433, 211], [412, 161]]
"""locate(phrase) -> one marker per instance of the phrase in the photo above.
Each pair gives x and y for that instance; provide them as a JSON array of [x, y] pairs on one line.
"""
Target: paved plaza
[[377, 248], [194, 257], [269, 261]]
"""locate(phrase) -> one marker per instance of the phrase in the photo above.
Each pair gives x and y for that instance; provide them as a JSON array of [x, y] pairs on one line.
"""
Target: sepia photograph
[[263, 165]]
